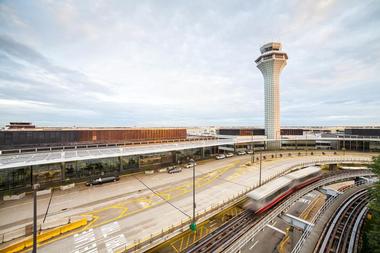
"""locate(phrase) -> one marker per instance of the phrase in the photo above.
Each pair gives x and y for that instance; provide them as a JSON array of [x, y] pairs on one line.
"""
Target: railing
[[284, 206], [297, 248], [97, 145]]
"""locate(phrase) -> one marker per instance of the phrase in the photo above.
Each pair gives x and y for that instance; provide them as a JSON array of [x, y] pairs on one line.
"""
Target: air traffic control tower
[[271, 62]]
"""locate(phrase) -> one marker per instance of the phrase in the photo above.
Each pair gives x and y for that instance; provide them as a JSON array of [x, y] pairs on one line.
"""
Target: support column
[[63, 176], [120, 165]]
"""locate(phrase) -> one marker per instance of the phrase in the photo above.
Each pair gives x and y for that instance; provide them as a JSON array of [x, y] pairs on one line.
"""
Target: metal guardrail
[[354, 236], [284, 206], [297, 248]]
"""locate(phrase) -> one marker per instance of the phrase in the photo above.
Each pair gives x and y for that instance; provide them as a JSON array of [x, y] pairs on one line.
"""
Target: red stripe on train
[[287, 193]]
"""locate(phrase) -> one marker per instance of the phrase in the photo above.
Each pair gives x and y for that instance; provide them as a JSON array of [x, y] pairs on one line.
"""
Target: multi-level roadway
[[126, 213]]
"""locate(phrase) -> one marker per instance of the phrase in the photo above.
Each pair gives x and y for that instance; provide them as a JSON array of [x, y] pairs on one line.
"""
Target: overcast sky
[[186, 63]]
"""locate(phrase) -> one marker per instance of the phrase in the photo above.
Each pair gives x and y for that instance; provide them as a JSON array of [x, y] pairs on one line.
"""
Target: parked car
[[221, 156], [241, 153], [175, 170], [102, 180], [250, 152], [229, 155]]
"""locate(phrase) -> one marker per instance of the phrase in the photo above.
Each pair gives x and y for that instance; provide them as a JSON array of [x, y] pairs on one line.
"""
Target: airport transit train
[[266, 196]]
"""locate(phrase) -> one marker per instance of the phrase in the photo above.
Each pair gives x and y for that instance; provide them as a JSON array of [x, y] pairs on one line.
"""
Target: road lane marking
[[253, 245], [110, 229], [116, 242], [85, 242], [86, 248]]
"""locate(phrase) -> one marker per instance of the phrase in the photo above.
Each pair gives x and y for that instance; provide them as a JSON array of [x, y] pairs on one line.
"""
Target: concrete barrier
[[44, 236], [66, 187], [13, 197], [44, 192], [17, 233], [149, 171], [163, 170], [54, 223]]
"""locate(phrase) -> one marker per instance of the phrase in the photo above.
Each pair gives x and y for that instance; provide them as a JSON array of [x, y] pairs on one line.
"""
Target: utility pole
[[193, 225]]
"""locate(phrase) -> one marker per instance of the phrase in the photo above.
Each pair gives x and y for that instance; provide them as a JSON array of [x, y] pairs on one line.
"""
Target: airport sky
[[186, 63]]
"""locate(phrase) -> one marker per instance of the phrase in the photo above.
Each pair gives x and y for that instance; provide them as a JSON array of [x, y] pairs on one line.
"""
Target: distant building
[[20, 125], [258, 131], [271, 62], [363, 131], [30, 136]]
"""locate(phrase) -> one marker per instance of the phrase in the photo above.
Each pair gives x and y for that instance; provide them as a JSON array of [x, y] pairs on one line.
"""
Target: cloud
[[186, 63]]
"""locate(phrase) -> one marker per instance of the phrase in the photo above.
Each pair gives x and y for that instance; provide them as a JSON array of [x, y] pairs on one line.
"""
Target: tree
[[371, 237]]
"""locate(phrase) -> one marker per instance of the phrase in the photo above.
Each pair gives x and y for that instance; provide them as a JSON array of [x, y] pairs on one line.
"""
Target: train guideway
[[296, 221]]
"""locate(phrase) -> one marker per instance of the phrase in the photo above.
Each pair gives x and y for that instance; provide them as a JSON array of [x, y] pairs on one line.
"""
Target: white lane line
[[115, 242], [85, 242], [87, 249], [110, 229], [253, 245]]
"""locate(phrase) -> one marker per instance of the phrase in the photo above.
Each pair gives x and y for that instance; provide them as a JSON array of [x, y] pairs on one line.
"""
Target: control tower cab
[[271, 62]]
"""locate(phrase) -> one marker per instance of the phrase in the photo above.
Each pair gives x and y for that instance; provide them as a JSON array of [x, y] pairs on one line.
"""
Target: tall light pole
[[193, 225], [261, 158], [253, 149], [35, 188]]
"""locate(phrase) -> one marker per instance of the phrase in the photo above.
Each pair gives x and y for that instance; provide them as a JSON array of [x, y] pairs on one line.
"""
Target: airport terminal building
[[58, 156]]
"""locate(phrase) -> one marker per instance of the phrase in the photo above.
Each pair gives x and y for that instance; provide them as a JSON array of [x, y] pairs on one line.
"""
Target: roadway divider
[[44, 236]]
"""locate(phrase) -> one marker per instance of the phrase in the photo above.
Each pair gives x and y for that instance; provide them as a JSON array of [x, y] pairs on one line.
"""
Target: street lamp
[[193, 225], [35, 188], [261, 158]]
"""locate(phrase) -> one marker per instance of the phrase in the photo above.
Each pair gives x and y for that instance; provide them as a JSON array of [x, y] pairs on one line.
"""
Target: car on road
[[221, 156], [241, 153], [229, 155], [175, 170], [250, 152], [190, 165], [102, 180]]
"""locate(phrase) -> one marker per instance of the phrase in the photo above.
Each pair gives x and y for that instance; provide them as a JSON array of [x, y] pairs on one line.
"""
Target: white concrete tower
[[271, 62]]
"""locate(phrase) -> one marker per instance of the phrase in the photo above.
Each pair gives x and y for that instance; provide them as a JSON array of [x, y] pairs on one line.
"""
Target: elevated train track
[[340, 235], [233, 235]]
